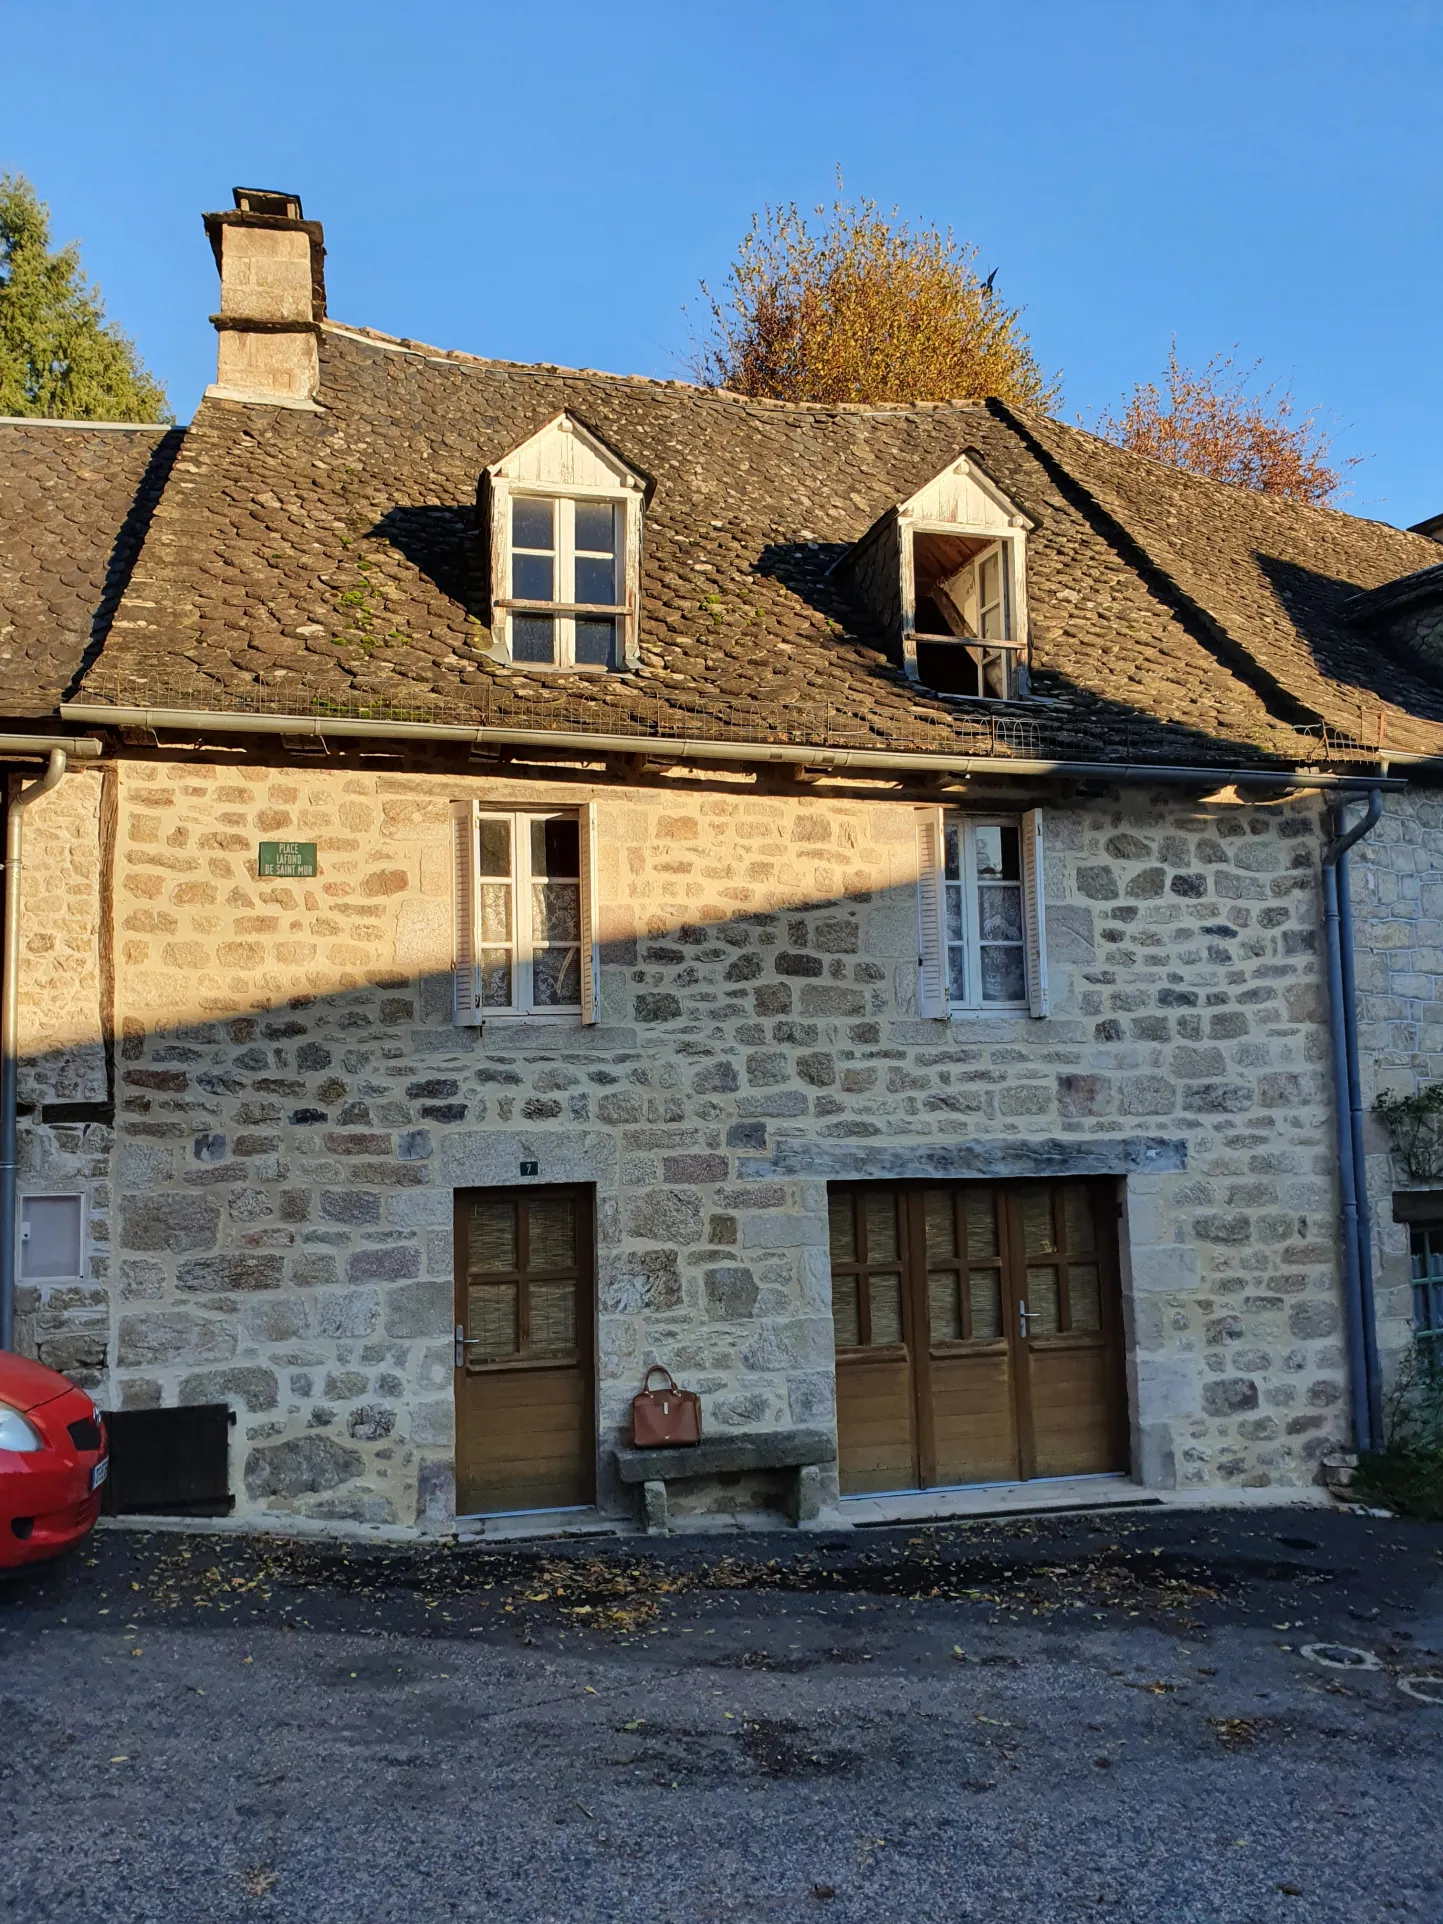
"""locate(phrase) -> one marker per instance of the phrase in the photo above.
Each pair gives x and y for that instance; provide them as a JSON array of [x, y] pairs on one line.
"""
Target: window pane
[[886, 1299], [844, 1312], [496, 912], [1042, 1302], [943, 1309], [1004, 975], [1077, 1219], [954, 911], [555, 912], [981, 1208], [1084, 1287], [842, 1227], [556, 978], [491, 1244], [495, 846], [953, 838], [596, 527], [595, 580], [532, 523], [491, 1319], [984, 1289], [596, 643], [941, 1222], [533, 638], [956, 973], [551, 1233], [997, 673], [555, 847], [496, 978], [999, 914], [990, 579], [1038, 1236], [880, 1216], [997, 854], [553, 1319], [531, 577]]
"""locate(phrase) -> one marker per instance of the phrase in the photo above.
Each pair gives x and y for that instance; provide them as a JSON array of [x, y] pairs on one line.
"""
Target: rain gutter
[[1364, 1376], [682, 748]]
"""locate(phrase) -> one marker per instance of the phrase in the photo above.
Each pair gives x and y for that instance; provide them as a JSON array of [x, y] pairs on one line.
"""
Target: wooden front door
[[978, 1332], [525, 1288]]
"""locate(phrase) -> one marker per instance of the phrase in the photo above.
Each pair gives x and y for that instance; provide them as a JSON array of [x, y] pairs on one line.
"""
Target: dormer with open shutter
[[944, 572]]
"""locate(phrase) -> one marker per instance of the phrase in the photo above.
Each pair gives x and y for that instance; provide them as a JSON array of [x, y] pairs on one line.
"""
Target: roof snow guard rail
[[602, 743]]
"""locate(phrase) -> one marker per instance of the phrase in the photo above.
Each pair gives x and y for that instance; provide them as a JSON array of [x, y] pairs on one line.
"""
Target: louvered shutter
[[931, 944], [590, 945], [1034, 915], [465, 987]]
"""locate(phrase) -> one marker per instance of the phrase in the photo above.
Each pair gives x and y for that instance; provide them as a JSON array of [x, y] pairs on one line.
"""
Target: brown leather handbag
[[661, 1419]]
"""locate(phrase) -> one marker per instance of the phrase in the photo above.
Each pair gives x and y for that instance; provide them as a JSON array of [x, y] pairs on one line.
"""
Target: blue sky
[[551, 182]]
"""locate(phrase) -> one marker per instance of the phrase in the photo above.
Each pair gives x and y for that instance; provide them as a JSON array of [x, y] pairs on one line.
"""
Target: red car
[[52, 1462]]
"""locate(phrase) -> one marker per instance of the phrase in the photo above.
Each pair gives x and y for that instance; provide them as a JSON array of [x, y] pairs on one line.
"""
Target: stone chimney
[[272, 300]]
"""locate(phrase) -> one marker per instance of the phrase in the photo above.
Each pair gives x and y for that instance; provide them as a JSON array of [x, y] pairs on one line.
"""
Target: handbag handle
[[646, 1380]]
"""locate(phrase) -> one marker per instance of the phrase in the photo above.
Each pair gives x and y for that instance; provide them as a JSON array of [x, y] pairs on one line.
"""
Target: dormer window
[[566, 555], [565, 552], [943, 572], [962, 614]]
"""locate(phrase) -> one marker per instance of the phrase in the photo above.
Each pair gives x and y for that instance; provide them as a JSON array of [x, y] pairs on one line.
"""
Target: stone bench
[[802, 1451]]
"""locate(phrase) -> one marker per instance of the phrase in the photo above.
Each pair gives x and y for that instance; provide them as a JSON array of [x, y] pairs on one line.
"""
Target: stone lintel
[[1007, 1159]]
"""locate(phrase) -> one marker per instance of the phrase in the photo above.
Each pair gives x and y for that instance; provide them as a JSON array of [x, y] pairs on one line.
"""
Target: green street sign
[[295, 859]]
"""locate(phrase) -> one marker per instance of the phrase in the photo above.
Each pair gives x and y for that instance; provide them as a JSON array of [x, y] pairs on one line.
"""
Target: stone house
[[555, 873]]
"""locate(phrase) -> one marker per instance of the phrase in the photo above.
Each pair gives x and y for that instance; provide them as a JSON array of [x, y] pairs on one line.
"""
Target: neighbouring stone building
[[559, 873]]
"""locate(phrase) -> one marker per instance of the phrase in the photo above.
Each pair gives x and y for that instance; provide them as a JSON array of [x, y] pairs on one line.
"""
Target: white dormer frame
[[561, 462], [963, 500]]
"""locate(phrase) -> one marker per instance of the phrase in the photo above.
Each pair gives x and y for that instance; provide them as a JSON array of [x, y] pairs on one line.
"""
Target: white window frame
[[76, 1196], [933, 998], [563, 585], [468, 1010], [1011, 580]]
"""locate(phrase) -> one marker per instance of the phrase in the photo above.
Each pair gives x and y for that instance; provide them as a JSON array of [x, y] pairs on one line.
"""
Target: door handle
[[1025, 1316], [463, 1343]]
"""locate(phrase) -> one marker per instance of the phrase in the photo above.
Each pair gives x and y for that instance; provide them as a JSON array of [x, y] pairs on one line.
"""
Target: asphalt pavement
[[1221, 1717]]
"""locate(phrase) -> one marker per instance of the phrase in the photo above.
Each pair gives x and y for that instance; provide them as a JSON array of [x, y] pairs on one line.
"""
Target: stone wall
[[1397, 892], [63, 977], [295, 1107]]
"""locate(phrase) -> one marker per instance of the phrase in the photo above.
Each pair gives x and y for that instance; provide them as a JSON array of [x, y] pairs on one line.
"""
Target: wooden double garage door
[[978, 1332]]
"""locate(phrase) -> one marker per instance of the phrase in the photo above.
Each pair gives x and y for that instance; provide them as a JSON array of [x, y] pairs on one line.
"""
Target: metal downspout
[[1342, 1035], [10, 1032], [1372, 1366]]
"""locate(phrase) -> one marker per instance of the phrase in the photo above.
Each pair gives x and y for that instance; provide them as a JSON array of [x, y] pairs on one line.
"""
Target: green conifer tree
[[59, 356]]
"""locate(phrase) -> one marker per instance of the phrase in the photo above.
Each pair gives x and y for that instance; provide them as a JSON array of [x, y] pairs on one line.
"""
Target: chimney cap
[[270, 201]]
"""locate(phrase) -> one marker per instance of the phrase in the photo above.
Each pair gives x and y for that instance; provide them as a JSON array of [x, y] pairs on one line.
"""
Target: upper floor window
[[962, 614], [525, 908], [565, 552], [943, 573], [566, 589], [981, 937]]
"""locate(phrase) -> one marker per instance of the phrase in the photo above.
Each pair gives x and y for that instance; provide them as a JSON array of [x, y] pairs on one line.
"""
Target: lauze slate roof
[[74, 501], [300, 561]]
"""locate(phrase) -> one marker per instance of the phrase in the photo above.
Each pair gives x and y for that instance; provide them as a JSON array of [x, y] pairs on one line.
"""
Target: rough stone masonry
[[271, 1223]]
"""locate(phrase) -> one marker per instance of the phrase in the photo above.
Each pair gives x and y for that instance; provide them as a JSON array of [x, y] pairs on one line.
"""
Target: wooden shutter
[[465, 986], [590, 945], [1034, 917], [931, 944]]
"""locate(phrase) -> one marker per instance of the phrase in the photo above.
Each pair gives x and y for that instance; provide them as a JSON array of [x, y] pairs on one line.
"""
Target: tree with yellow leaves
[[863, 308]]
